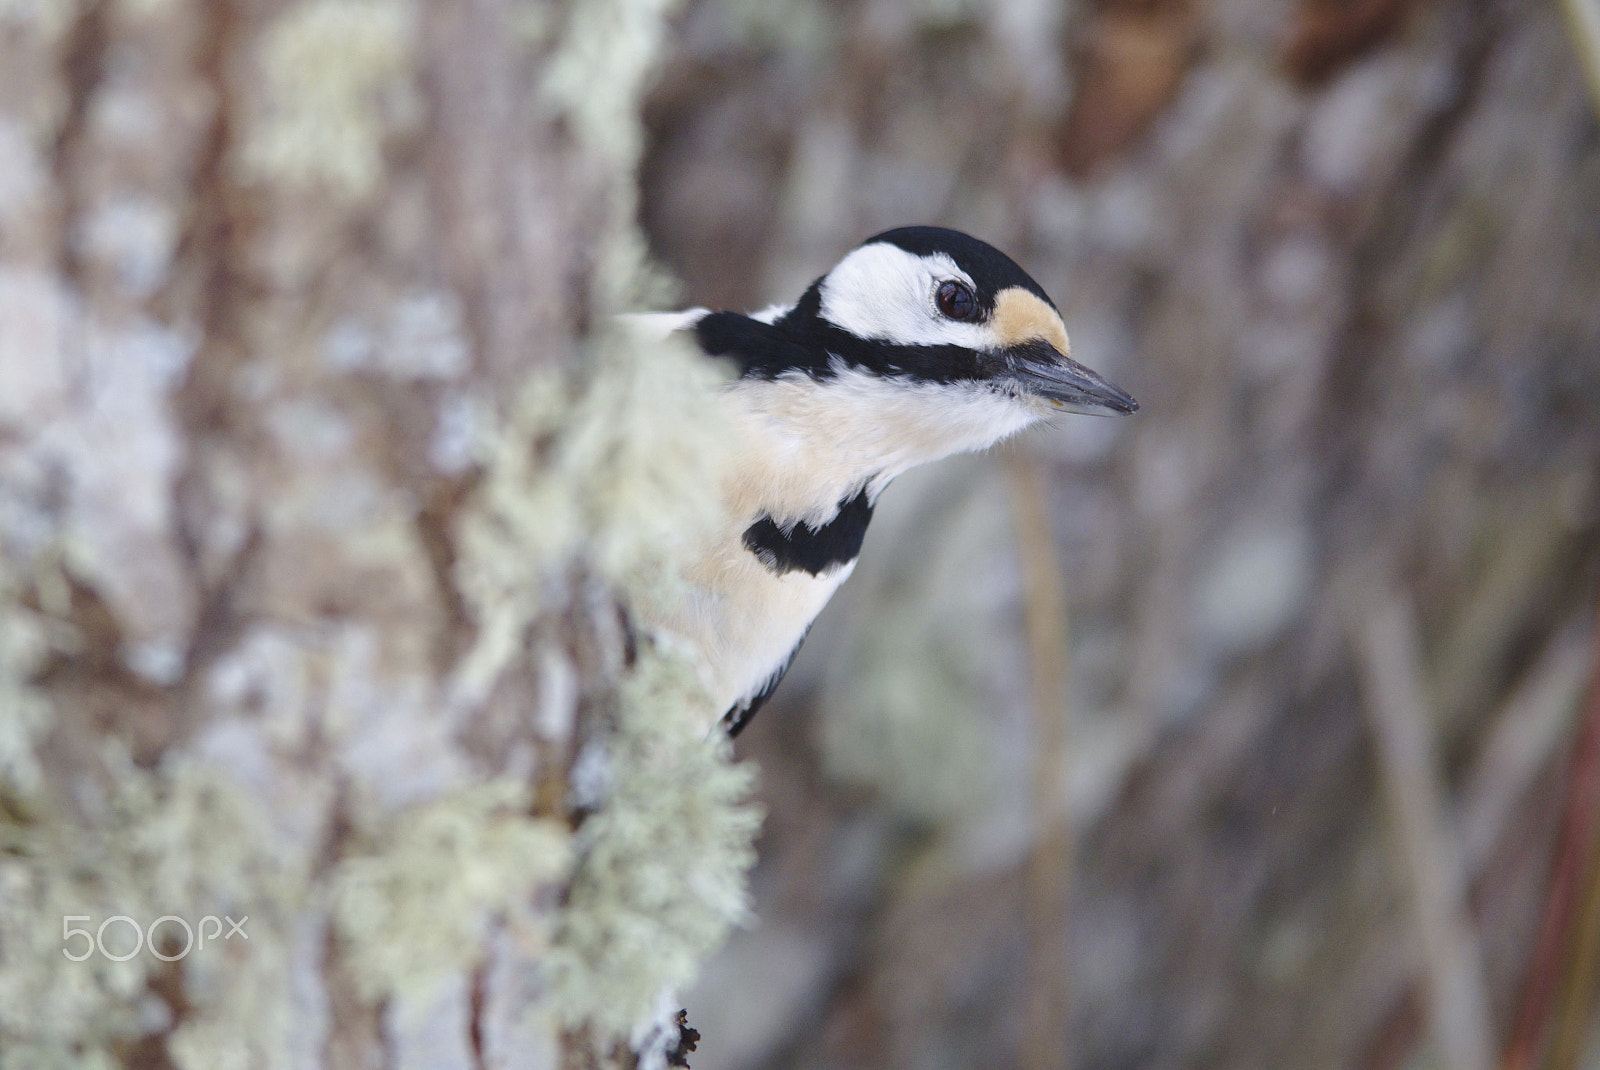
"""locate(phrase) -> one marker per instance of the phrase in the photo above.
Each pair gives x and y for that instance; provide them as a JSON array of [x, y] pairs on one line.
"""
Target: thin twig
[[1578, 828], [1529, 731], [1049, 871], [1580, 857], [1582, 976], [1458, 1002]]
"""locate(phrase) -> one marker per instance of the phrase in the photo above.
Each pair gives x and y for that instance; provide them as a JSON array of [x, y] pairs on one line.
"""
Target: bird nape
[[921, 343]]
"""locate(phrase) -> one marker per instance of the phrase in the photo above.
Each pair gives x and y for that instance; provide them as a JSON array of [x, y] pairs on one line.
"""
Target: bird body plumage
[[864, 377]]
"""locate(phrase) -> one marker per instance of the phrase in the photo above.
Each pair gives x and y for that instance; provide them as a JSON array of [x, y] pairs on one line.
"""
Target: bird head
[[927, 304], [921, 343]]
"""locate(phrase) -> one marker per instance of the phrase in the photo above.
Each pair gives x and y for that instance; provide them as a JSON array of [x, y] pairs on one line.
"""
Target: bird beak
[[1045, 372], [1033, 345]]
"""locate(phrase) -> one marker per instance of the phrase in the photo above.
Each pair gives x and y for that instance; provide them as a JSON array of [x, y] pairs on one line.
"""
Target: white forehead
[[882, 292]]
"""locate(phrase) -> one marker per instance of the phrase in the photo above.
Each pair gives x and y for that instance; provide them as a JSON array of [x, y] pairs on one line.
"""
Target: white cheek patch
[[884, 293]]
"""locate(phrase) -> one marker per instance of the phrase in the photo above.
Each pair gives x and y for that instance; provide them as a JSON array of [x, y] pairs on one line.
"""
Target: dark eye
[[957, 301]]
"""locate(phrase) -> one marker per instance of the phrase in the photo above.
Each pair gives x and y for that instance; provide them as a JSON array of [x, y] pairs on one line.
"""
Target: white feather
[[772, 313], [657, 326]]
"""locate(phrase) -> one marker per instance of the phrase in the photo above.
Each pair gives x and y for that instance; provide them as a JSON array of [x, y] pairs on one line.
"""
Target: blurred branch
[[1326, 37], [1386, 648], [1134, 58], [1570, 931], [1583, 25], [1583, 971], [1048, 877], [1528, 732]]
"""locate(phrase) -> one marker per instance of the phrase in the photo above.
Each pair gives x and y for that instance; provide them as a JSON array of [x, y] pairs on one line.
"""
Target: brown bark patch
[[1135, 55], [1329, 34]]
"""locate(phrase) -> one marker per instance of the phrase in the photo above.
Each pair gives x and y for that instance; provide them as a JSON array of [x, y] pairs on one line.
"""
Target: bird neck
[[810, 444]]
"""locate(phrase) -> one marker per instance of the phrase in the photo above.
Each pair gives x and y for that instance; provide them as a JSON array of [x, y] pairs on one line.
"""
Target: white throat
[[814, 443]]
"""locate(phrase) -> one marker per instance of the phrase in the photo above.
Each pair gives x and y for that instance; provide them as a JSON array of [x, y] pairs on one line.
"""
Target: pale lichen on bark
[[335, 74], [661, 863], [317, 538]]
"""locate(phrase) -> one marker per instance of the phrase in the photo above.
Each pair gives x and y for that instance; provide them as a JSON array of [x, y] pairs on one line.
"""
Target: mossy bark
[[317, 459]]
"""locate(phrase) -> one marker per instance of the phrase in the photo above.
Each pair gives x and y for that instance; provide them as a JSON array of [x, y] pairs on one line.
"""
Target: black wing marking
[[803, 548], [745, 709]]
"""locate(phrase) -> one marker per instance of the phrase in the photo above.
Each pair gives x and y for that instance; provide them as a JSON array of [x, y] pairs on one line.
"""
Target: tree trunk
[[325, 485]]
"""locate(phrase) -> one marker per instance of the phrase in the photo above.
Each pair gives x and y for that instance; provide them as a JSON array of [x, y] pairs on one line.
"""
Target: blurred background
[[1259, 730], [1347, 256]]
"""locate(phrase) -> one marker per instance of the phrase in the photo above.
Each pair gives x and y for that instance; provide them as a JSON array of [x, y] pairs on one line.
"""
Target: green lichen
[[420, 904], [615, 465], [623, 38], [617, 470], [661, 865], [178, 841], [608, 469], [333, 72], [613, 470], [617, 473]]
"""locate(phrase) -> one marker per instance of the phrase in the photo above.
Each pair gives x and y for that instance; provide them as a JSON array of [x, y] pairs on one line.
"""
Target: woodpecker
[[921, 343]]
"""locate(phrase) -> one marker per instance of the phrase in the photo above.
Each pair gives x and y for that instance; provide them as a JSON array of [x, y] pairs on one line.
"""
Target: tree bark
[[320, 467]]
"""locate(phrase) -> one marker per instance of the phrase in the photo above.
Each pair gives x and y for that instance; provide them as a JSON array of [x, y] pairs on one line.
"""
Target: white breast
[[747, 620]]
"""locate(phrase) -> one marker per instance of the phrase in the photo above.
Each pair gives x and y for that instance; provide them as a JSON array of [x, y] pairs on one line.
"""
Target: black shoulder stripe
[[813, 347], [807, 549], [760, 350]]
